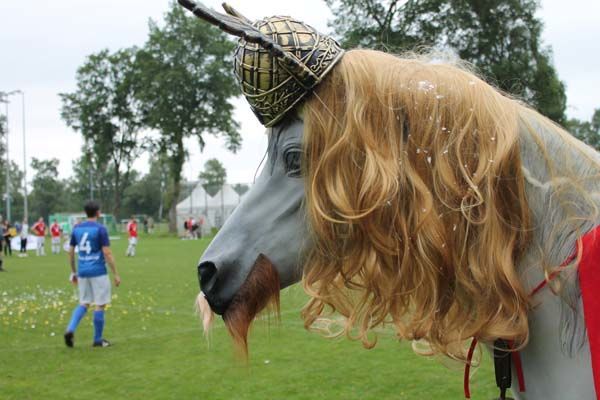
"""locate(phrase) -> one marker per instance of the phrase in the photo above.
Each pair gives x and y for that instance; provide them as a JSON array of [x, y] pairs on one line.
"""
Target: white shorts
[[56, 240], [133, 241], [94, 290], [40, 241]]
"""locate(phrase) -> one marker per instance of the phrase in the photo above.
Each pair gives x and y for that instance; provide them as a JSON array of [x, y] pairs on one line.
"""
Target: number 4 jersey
[[89, 237]]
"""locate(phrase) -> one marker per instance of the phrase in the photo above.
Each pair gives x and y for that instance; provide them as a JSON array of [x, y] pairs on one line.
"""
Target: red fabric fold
[[589, 282]]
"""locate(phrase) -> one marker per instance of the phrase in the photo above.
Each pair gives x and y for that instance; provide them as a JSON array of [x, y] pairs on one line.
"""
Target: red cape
[[589, 282]]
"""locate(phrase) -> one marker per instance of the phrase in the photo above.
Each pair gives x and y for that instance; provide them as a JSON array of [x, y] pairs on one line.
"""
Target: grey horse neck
[[559, 216], [556, 361]]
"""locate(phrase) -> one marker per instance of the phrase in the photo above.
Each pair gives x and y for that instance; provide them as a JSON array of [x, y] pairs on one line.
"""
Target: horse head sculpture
[[406, 192]]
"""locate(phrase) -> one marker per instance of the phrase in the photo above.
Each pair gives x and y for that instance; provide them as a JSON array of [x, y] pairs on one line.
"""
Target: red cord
[[516, 357]]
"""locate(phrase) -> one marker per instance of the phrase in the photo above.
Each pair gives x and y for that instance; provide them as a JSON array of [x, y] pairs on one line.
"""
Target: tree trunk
[[177, 161], [173, 208], [117, 195]]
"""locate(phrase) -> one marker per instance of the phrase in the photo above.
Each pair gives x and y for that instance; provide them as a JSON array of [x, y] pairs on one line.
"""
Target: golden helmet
[[278, 61]]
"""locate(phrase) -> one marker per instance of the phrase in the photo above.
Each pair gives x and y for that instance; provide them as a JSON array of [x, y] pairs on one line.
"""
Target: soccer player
[[55, 233], [94, 252], [39, 230], [133, 237]]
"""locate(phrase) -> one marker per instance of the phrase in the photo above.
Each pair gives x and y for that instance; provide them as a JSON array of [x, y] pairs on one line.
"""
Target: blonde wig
[[416, 202]]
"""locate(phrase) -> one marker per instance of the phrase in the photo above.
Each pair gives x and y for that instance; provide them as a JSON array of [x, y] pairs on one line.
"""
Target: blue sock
[[98, 325], [78, 313]]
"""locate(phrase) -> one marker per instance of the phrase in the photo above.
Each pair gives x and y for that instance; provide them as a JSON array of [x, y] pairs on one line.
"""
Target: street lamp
[[25, 208], [4, 99]]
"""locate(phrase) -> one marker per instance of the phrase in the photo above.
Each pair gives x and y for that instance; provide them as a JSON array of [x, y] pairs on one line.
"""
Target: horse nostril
[[207, 276]]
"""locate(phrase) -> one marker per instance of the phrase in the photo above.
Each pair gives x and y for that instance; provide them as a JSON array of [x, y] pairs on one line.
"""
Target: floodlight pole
[[25, 206], [7, 168], [5, 100]]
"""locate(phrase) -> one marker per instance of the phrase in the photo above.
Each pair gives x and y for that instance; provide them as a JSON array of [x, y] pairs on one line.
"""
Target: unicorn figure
[[406, 192]]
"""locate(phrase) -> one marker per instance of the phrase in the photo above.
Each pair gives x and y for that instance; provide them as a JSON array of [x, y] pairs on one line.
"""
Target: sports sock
[[78, 314], [98, 325]]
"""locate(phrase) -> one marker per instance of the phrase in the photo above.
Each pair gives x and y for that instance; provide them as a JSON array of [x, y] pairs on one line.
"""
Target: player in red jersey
[[39, 230], [55, 233], [133, 237]]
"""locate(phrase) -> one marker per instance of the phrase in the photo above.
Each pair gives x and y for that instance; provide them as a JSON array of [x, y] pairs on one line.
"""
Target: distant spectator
[[23, 234], [145, 222], [150, 225], [6, 236], [1, 241], [39, 230], [189, 227], [200, 226]]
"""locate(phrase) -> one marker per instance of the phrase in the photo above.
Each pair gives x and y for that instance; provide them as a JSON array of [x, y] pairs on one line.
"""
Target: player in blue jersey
[[91, 240]]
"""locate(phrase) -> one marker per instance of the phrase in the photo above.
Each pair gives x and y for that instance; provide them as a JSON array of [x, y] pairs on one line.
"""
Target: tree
[[142, 197], [213, 176], [185, 89], [588, 132], [500, 37], [47, 191], [92, 180], [241, 188], [106, 112]]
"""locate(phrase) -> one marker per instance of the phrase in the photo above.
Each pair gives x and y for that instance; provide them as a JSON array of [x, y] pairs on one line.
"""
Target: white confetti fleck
[[426, 86], [454, 227], [429, 159]]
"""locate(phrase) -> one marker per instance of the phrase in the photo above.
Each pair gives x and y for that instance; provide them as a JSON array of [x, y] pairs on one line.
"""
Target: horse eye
[[292, 160]]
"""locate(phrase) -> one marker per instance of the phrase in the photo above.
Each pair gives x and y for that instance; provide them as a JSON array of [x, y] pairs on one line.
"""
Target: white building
[[213, 210]]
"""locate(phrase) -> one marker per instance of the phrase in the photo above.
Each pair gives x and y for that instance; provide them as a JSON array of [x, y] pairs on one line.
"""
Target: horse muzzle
[[211, 284]]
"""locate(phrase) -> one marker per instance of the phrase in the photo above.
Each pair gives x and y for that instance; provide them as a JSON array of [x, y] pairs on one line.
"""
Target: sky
[[43, 42]]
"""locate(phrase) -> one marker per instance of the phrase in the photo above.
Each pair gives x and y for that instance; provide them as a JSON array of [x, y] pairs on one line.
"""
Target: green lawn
[[159, 351]]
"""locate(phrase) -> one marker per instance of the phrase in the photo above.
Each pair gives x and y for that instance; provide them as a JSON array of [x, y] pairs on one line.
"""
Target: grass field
[[159, 351]]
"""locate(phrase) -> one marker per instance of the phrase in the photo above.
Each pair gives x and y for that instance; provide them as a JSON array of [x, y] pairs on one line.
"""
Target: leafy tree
[[185, 89], [142, 197], [588, 132], [502, 38], [241, 188], [213, 176], [2, 137], [47, 194], [106, 112]]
